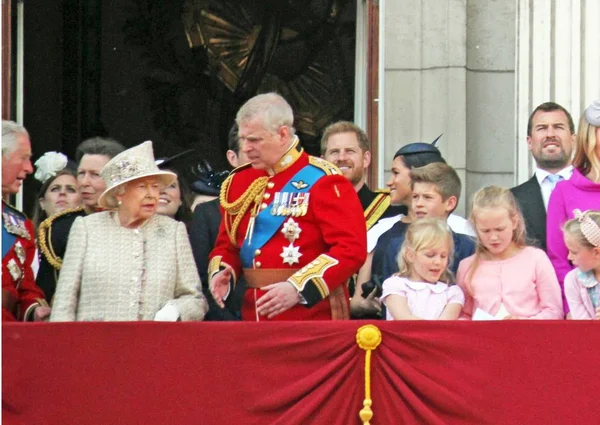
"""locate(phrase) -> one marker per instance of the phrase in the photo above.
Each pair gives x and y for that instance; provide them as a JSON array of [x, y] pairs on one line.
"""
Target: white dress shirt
[[547, 186]]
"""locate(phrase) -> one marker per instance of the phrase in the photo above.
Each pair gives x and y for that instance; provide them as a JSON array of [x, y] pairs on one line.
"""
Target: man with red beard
[[347, 146], [21, 298], [551, 140], [292, 225]]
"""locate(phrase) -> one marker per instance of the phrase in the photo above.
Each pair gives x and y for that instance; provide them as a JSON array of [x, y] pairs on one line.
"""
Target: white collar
[[438, 288], [541, 175]]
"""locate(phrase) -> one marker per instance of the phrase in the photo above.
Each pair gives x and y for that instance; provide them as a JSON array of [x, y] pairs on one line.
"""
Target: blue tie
[[553, 179]]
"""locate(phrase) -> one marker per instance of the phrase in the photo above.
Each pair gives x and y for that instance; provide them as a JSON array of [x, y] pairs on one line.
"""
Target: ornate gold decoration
[[238, 208], [45, 236], [314, 271], [236, 35], [368, 338], [324, 165]]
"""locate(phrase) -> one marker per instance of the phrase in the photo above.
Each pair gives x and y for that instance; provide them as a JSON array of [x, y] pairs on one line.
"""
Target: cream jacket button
[[270, 185], [258, 264], [263, 206], [257, 252], [267, 195]]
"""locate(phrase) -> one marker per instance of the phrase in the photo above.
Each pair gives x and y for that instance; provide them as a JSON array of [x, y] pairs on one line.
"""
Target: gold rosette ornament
[[368, 338]]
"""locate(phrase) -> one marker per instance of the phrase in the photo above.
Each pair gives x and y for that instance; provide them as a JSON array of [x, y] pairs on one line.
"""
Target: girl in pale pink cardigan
[[582, 285], [505, 278]]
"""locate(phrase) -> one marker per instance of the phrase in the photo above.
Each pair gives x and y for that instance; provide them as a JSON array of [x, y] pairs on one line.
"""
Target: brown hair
[[494, 197], [39, 214], [443, 176], [586, 160], [550, 107], [345, 127], [423, 234]]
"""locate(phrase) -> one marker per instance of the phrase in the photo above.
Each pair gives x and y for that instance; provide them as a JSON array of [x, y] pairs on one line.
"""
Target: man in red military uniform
[[21, 297], [292, 224]]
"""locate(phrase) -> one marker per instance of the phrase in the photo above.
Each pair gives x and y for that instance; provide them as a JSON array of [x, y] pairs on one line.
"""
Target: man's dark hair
[[233, 140], [549, 107], [98, 146]]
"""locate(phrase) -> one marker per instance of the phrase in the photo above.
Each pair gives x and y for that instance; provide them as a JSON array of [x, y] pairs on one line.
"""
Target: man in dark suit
[[203, 231], [551, 140]]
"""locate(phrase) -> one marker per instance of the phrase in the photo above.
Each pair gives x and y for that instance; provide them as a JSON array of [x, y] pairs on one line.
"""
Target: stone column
[[558, 59], [424, 72], [490, 93]]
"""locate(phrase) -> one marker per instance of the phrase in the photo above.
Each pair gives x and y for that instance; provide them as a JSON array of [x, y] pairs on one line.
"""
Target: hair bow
[[589, 227]]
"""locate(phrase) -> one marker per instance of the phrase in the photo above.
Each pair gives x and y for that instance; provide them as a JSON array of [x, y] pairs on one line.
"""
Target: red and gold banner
[[520, 372]]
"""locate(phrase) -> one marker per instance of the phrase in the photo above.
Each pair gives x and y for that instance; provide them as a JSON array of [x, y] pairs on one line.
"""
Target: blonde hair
[[494, 197], [573, 228], [586, 160], [423, 234]]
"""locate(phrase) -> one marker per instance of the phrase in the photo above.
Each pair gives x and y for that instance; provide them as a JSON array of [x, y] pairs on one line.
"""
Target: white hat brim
[[107, 199]]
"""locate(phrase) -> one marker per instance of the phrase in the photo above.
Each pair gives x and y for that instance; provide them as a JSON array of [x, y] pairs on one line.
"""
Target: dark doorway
[[176, 71]]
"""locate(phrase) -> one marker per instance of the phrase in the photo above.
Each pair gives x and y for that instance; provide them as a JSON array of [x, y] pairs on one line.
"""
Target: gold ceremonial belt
[[258, 278]]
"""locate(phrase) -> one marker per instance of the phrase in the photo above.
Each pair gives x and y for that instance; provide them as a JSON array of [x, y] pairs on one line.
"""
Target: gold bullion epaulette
[[45, 237], [324, 165]]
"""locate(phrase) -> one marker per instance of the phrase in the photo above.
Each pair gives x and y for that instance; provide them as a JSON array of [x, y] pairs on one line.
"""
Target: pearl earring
[[119, 203]]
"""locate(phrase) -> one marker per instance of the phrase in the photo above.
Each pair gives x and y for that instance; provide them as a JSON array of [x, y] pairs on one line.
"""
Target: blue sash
[[8, 240], [265, 224]]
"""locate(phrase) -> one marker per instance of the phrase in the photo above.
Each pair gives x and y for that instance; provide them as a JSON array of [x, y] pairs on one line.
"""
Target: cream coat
[[111, 273]]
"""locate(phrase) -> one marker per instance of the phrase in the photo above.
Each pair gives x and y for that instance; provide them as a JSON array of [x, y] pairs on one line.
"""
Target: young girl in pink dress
[[505, 278], [422, 289], [582, 284]]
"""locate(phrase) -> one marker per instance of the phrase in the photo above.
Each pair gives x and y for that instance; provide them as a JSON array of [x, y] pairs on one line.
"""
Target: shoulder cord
[[240, 206]]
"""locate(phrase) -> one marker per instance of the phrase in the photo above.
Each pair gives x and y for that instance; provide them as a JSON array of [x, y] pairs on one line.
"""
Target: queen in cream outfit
[[129, 263]]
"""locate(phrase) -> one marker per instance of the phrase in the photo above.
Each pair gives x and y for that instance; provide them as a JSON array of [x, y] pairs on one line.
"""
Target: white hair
[[10, 141], [272, 108]]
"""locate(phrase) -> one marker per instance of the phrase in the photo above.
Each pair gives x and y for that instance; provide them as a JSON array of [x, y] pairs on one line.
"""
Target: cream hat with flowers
[[132, 164]]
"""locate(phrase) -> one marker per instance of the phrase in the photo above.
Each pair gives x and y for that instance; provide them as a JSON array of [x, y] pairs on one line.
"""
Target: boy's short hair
[[443, 176]]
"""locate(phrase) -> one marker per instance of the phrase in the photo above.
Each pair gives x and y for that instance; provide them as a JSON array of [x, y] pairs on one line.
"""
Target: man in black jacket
[[203, 231], [551, 140]]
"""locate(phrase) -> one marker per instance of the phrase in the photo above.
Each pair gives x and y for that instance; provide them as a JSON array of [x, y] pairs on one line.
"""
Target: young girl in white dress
[[423, 289]]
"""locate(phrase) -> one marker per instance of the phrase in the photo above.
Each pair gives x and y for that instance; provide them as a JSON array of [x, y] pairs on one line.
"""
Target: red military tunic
[[318, 246], [20, 294]]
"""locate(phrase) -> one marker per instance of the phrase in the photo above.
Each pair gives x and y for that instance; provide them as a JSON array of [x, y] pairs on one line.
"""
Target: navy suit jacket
[[529, 197]]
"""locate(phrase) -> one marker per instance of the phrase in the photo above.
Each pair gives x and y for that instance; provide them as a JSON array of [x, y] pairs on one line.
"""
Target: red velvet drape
[[300, 373]]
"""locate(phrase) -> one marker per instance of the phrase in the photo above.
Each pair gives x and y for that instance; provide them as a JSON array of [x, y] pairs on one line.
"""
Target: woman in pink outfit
[[582, 191], [505, 278]]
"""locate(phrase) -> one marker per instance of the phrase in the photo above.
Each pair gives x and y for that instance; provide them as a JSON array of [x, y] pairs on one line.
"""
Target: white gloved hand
[[169, 313]]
